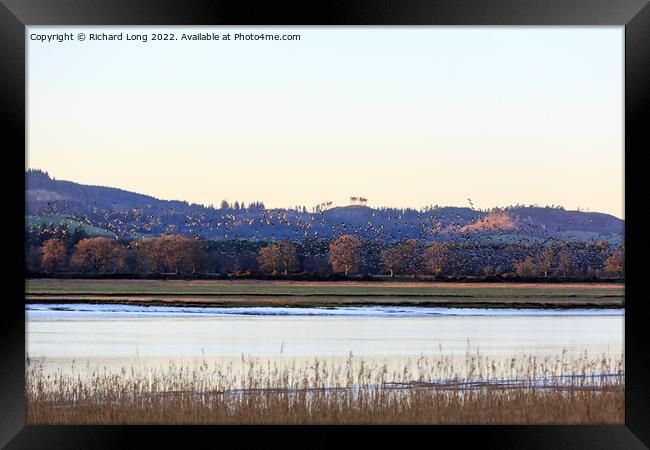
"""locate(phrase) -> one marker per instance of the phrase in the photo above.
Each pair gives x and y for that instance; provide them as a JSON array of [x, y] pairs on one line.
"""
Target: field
[[299, 293], [426, 391]]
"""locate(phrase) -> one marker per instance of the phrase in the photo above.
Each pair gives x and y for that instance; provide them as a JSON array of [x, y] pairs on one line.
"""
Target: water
[[118, 335]]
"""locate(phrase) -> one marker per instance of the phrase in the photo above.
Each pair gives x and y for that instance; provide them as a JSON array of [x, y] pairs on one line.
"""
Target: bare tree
[[615, 264], [345, 254], [156, 250], [268, 259], [53, 254], [99, 254], [565, 263], [437, 258], [141, 254], [391, 258], [526, 267], [545, 261], [198, 255], [412, 257], [176, 255], [182, 254], [278, 257], [288, 256]]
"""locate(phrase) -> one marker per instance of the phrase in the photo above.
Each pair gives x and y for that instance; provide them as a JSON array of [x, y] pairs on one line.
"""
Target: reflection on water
[[116, 336]]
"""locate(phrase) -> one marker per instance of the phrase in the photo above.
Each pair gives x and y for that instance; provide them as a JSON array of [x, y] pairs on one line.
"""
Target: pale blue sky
[[402, 116]]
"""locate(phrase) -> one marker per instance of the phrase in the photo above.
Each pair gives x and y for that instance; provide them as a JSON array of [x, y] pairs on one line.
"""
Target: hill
[[127, 214]]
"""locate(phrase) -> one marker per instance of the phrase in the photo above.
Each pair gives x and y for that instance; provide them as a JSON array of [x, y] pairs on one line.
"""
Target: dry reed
[[426, 390]]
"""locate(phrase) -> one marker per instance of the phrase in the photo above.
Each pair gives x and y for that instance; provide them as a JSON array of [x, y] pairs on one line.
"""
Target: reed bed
[[473, 389]]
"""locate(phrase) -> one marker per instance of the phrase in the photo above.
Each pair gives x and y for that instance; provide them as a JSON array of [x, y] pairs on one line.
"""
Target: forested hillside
[[112, 211]]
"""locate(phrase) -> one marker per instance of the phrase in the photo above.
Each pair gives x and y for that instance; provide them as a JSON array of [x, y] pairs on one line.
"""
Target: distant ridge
[[128, 215], [39, 184]]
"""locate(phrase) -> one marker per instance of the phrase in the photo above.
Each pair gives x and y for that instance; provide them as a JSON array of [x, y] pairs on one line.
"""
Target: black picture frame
[[634, 15]]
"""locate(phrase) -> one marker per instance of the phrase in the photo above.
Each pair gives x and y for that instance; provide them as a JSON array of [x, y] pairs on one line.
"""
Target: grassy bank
[[524, 390], [292, 293]]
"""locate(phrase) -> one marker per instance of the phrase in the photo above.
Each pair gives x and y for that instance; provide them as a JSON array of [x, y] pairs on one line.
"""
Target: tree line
[[348, 255]]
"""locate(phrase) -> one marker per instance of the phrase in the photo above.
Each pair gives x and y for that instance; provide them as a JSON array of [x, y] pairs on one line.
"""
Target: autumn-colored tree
[[198, 255], [141, 254], [53, 254], [412, 255], [156, 250], [268, 259], [177, 258], [345, 254], [565, 263], [391, 258], [99, 255], [149, 254], [278, 257], [437, 258], [615, 263], [181, 254], [526, 267], [545, 261], [155, 255]]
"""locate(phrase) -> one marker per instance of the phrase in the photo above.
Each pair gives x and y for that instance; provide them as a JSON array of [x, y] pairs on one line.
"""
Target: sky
[[403, 116]]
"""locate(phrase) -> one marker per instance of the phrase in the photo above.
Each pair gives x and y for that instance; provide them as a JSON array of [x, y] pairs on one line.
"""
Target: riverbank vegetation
[[61, 253], [424, 390]]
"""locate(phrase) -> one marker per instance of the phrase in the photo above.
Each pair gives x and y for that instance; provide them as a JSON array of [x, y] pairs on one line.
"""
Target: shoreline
[[318, 294], [298, 303]]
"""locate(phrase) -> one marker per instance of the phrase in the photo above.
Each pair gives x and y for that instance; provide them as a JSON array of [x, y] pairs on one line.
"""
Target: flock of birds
[[389, 225], [383, 226]]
